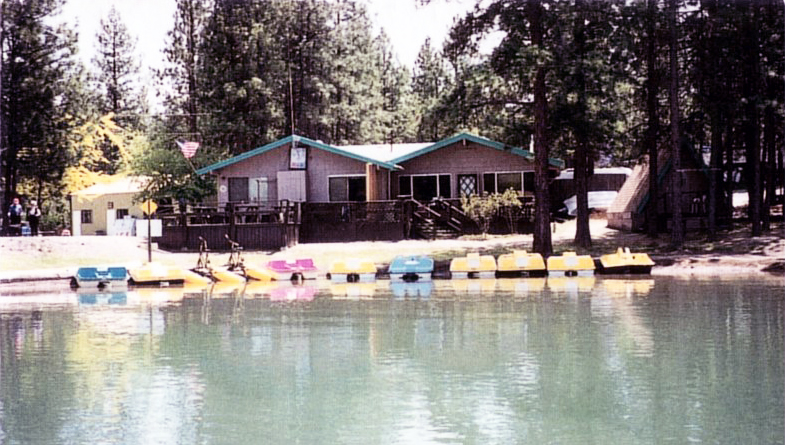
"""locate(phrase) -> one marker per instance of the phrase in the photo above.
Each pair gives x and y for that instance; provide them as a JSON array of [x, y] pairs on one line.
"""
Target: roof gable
[[290, 140], [477, 140]]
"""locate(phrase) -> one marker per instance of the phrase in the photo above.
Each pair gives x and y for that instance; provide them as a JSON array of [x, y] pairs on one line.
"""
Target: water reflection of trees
[[635, 360]]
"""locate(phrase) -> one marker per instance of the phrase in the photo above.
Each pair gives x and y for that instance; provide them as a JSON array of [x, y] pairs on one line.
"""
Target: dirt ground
[[733, 252]]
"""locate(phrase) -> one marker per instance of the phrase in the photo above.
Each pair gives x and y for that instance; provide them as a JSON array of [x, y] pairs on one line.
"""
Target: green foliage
[[40, 81], [430, 81], [510, 208], [118, 71], [481, 209], [172, 177]]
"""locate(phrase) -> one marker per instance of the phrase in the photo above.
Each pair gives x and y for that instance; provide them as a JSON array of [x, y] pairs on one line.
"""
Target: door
[[467, 185], [292, 186]]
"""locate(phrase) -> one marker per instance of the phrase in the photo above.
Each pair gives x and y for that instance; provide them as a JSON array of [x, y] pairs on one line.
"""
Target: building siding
[[459, 159], [320, 166], [100, 205]]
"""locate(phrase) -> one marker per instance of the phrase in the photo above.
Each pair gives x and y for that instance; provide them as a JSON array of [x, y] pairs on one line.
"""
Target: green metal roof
[[477, 140], [390, 165], [288, 140]]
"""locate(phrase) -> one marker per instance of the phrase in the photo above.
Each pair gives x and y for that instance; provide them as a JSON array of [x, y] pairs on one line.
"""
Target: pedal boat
[[473, 266], [411, 268], [292, 270], [521, 263], [352, 271], [156, 274], [100, 277], [624, 262], [570, 264]]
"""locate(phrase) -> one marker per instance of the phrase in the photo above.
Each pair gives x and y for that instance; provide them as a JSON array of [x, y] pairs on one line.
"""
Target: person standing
[[33, 217], [15, 217]]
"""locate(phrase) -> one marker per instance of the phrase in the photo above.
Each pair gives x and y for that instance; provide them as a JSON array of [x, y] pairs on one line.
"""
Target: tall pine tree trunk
[[191, 42], [542, 217], [581, 176], [677, 229], [652, 105], [715, 166], [752, 135], [715, 121], [768, 165]]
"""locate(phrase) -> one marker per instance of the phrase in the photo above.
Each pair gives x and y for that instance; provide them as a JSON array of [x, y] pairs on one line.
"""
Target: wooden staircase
[[439, 219]]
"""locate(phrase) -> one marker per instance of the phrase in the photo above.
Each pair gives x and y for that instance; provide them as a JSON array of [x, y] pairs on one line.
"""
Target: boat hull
[[473, 266], [100, 277], [570, 264], [628, 269], [521, 264], [411, 268], [352, 271], [625, 262]]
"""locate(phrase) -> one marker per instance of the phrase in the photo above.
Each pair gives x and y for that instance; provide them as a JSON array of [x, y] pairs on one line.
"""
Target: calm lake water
[[571, 361]]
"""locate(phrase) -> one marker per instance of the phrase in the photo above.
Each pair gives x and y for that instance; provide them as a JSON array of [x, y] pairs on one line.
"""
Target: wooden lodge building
[[329, 193], [299, 169]]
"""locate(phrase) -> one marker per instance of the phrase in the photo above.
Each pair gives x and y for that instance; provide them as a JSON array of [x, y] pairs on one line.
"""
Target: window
[[121, 213], [347, 188], [489, 183], [445, 189], [258, 191], [87, 216], [528, 182], [405, 186], [425, 187], [110, 205], [500, 182], [506, 181], [238, 190]]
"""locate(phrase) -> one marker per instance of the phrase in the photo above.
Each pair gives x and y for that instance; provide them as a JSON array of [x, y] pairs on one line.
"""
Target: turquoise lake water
[[570, 361]]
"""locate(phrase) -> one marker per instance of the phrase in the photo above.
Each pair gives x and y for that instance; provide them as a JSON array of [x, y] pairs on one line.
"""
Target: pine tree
[[117, 71], [429, 84], [179, 80], [396, 122], [355, 83], [39, 68]]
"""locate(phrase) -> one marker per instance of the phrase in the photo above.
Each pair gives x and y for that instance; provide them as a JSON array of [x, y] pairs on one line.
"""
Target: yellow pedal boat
[[570, 264], [473, 265], [623, 261], [352, 271], [521, 263], [156, 274]]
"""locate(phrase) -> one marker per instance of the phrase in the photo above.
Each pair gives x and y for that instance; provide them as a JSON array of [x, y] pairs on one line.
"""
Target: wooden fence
[[354, 221], [253, 226]]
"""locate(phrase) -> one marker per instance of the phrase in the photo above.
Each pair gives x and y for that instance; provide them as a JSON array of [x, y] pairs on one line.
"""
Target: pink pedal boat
[[292, 270]]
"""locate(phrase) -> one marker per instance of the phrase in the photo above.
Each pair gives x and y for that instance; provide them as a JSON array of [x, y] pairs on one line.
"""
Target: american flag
[[188, 148]]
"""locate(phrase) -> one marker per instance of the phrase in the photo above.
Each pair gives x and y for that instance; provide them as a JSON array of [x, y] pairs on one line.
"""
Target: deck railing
[[253, 226]]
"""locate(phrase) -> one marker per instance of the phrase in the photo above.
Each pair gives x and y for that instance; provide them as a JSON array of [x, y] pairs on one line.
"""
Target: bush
[[483, 209]]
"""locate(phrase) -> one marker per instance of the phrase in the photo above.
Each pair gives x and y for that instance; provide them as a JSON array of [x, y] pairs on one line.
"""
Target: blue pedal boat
[[411, 268], [101, 277]]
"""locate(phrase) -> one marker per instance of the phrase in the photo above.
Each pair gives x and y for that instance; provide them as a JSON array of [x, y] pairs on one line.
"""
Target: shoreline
[[49, 259]]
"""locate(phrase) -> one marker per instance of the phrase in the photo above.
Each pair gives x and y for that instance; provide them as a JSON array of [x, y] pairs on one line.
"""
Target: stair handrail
[[456, 214]]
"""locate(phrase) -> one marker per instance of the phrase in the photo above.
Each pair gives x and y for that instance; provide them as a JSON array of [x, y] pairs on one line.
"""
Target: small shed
[[100, 208], [629, 210]]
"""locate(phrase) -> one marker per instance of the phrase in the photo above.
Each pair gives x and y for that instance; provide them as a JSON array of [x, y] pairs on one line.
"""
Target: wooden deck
[[254, 227]]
